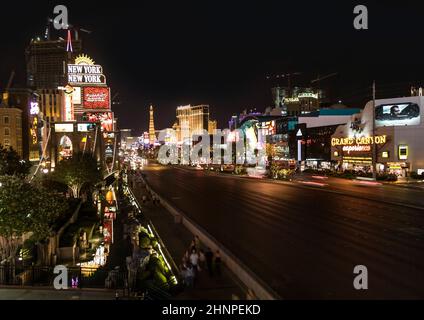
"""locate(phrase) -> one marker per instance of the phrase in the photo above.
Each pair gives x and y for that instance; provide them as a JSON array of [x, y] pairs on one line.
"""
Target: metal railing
[[78, 277]]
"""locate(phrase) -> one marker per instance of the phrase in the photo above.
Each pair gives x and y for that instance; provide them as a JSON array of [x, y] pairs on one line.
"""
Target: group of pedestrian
[[155, 200], [196, 260]]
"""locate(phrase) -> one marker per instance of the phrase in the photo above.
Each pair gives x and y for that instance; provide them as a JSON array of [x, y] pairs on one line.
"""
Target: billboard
[[96, 98], [105, 119], [108, 231], [399, 114], [64, 127], [85, 127]]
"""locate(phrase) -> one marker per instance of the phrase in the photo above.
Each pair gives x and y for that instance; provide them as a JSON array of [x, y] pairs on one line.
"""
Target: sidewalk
[[407, 183], [177, 240], [34, 293]]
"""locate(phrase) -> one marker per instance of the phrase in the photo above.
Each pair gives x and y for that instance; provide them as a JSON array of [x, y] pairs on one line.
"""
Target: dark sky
[[219, 53]]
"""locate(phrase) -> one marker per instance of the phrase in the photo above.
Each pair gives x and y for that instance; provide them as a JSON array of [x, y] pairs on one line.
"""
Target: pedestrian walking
[[189, 279], [209, 261], [194, 259], [218, 262], [202, 259]]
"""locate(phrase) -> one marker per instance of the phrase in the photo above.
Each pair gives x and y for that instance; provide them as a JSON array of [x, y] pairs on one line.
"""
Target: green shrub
[[284, 174], [240, 170], [387, 177], [160, 280], [144, 241]]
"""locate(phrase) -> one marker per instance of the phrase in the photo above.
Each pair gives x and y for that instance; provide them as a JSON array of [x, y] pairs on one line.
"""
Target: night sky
[[171, 53]]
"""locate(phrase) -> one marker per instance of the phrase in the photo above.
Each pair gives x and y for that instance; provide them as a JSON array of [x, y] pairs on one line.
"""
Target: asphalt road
[[304, 240]]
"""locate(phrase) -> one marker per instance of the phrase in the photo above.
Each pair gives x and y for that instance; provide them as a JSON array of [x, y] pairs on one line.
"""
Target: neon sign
[[33, 108], [308, 95], [84, 71], [68, 107], [358, 141], [33, 131], [357, 148]]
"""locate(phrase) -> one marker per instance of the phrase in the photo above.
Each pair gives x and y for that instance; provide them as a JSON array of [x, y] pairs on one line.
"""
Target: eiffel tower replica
[[152, 135]]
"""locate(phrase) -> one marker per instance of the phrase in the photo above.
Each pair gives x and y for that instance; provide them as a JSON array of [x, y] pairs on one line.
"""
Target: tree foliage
[[25, 210], [76, 172], [11, 163]]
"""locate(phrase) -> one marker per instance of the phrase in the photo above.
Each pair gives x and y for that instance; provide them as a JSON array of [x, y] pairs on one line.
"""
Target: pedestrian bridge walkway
[[177, 240]]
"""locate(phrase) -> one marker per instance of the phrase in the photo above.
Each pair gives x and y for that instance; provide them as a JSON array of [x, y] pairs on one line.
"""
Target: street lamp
[[374, 147]]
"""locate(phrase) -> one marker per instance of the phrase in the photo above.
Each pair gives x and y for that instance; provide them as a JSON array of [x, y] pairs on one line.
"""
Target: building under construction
[[46, 62]]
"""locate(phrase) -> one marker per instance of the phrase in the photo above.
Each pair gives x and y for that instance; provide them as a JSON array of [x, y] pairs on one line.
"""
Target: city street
[[304, 239]]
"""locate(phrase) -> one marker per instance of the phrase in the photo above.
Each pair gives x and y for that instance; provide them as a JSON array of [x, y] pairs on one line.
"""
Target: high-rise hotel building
[[191, 120]]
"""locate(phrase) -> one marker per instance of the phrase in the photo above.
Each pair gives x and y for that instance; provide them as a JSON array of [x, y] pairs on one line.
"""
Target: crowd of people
[[196, 260]]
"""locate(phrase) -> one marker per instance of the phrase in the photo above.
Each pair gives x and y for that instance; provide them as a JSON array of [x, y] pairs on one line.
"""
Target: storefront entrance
[[401, 169]]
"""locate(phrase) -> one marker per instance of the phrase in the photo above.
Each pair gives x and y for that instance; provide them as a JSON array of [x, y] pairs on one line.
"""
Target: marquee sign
[[96, 98]]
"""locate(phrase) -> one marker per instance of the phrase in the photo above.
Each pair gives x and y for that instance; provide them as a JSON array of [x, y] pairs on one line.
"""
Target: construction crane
[[69, 28], [5, 100], [319, 79], [324, 77], [76, 29], [116, 95]]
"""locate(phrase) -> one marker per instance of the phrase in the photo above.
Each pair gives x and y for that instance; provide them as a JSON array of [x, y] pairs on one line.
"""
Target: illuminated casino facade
[[272, 131], [398, 137], [87, 123], [297, 101], [291, 141]]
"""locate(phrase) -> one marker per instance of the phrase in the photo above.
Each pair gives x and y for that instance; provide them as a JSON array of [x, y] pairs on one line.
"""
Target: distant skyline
[[217, 53]]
